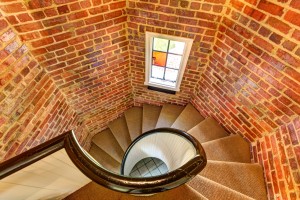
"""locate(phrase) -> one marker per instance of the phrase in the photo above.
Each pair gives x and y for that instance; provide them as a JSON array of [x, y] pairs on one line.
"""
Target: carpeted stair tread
[[232, 148], [93, 191], [245, 178], [207, 130], [120, 130], [108, 143], [168, 115], [134, 118], [150, 116], [104, 159], [188, 118], [214, 190]]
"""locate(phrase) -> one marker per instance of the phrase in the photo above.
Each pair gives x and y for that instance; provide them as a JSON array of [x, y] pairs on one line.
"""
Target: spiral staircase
[[229, 173]]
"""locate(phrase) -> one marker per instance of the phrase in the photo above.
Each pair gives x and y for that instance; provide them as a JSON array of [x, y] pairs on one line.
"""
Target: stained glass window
[[166, 59]]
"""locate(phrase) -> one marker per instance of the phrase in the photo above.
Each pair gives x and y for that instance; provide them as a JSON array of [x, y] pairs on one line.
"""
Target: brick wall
[[251, 85], [86, 58], [32, 109], [83, 47], [191, 19]]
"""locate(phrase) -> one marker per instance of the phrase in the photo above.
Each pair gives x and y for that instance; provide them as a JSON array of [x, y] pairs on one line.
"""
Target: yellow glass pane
[[159, 58], [160, 44]]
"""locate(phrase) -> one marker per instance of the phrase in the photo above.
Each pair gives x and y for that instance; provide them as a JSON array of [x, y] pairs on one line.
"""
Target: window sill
[[161, 90]]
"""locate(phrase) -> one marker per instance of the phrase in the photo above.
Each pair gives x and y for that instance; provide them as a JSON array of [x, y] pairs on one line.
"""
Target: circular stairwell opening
[[149, 167]]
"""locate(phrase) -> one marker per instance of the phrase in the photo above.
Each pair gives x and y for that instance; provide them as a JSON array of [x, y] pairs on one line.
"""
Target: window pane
[[171, 74], [157, 72], [173, 61], [159, 58], [176, 47], [160, 44]]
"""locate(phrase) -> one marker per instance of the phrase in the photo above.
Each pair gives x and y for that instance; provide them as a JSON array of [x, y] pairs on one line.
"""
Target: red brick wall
[[83, 47], [32, 109], [191, 19], [252, 86], [88, 61]]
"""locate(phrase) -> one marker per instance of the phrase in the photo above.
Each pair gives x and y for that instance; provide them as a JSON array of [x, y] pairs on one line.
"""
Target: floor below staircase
[[229, 173]]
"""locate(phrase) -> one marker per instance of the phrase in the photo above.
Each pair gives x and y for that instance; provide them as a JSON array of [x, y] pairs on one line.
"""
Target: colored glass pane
[[157, 72], [159, 58], [176, 47], [174, 61], [171, 74], [160, 44]]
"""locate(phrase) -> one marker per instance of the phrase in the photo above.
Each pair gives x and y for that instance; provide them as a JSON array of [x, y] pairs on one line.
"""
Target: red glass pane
[[159, 58]]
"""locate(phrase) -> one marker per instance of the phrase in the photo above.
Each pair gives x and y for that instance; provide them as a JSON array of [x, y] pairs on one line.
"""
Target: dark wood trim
[[128, 184], [93, 170], [161, 90]]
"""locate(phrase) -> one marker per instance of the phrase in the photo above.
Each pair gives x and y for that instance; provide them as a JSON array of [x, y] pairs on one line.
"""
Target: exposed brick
[[270, 7], [292, 17], [276, 38], [256, 14], [51, 12], [195, 5], [24, 17], [55, 21], [112, 15], [8, 35], [29, 27], [3, 24], [51, 31], [263, 43], [117, 5], [295, 4], [38, 15], [242, 70], [165, 9], [185, 13], [42, 42], [12, 20], [289, 45], [93, 20], [279, 25], [97, 10], [13, 8], [35, 4], [63, 9], [237, 4], [146, 6], [292, 60]]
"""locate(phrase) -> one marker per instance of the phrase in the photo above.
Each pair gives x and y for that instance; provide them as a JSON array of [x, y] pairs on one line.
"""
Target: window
[[166, 58]]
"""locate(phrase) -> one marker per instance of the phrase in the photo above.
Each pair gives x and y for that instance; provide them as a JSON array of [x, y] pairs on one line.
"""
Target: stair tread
[[133, 118], [214, 190], [93, 191], [104, 159], [150, 116], [232, 148], [108, 143], [208, 130], [168, 115], [188, 118], [242, 177], [120, 130]]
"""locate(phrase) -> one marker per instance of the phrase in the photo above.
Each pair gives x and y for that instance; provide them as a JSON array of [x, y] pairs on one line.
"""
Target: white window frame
[[148, 54]]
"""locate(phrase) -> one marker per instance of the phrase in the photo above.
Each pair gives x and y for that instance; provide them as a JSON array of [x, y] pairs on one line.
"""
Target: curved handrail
[[198, 147], [33, 155], [98, 174]]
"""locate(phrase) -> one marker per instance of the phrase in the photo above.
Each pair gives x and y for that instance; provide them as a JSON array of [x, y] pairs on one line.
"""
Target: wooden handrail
[[92, 169]]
